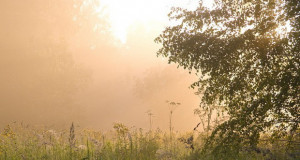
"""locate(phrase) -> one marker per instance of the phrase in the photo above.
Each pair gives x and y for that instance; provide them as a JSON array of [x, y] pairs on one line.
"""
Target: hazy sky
[[91, 62], [124, 14]]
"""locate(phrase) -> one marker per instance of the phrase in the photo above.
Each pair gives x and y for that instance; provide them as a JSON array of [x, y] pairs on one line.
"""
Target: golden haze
[[61, 62]]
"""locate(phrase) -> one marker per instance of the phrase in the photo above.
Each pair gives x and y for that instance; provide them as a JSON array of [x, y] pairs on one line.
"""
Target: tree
[[246, 54]]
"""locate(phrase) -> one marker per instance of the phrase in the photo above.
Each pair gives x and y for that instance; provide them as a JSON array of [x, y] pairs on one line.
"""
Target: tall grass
[[19, 141], [23, 142]]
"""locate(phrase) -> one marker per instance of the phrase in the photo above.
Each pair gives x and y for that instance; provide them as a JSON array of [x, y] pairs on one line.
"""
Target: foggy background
[[60, 63]]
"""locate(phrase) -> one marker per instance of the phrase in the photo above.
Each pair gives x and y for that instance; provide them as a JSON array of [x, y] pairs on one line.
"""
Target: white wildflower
[[82, 147]]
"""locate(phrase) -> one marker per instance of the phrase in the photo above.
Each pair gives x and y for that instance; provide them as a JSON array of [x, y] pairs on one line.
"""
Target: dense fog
[[60, 63]]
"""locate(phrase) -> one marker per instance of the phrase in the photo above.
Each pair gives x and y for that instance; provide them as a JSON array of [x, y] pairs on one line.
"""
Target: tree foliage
[[246, 54]]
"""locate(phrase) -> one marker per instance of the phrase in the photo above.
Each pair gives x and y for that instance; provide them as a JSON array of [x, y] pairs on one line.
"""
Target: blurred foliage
[[246, 54]]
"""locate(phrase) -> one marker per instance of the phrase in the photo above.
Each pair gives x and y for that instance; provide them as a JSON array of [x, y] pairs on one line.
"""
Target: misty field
[[184, 79], [20, 141]]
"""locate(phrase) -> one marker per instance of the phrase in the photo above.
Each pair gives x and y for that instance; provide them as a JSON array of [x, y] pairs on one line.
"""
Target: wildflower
[[82, 147], [8, 132], [52, 132]]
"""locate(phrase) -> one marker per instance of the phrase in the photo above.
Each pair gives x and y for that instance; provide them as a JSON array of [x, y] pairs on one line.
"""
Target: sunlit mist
[[91, 62], [125, 13], [149, 79]]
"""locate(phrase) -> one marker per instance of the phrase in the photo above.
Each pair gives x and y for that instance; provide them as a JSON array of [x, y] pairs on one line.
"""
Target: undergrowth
[[19, 141]]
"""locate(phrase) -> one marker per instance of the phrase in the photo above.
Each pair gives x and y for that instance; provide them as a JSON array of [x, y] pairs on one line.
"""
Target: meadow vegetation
[[245, 54], [20, 141]]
